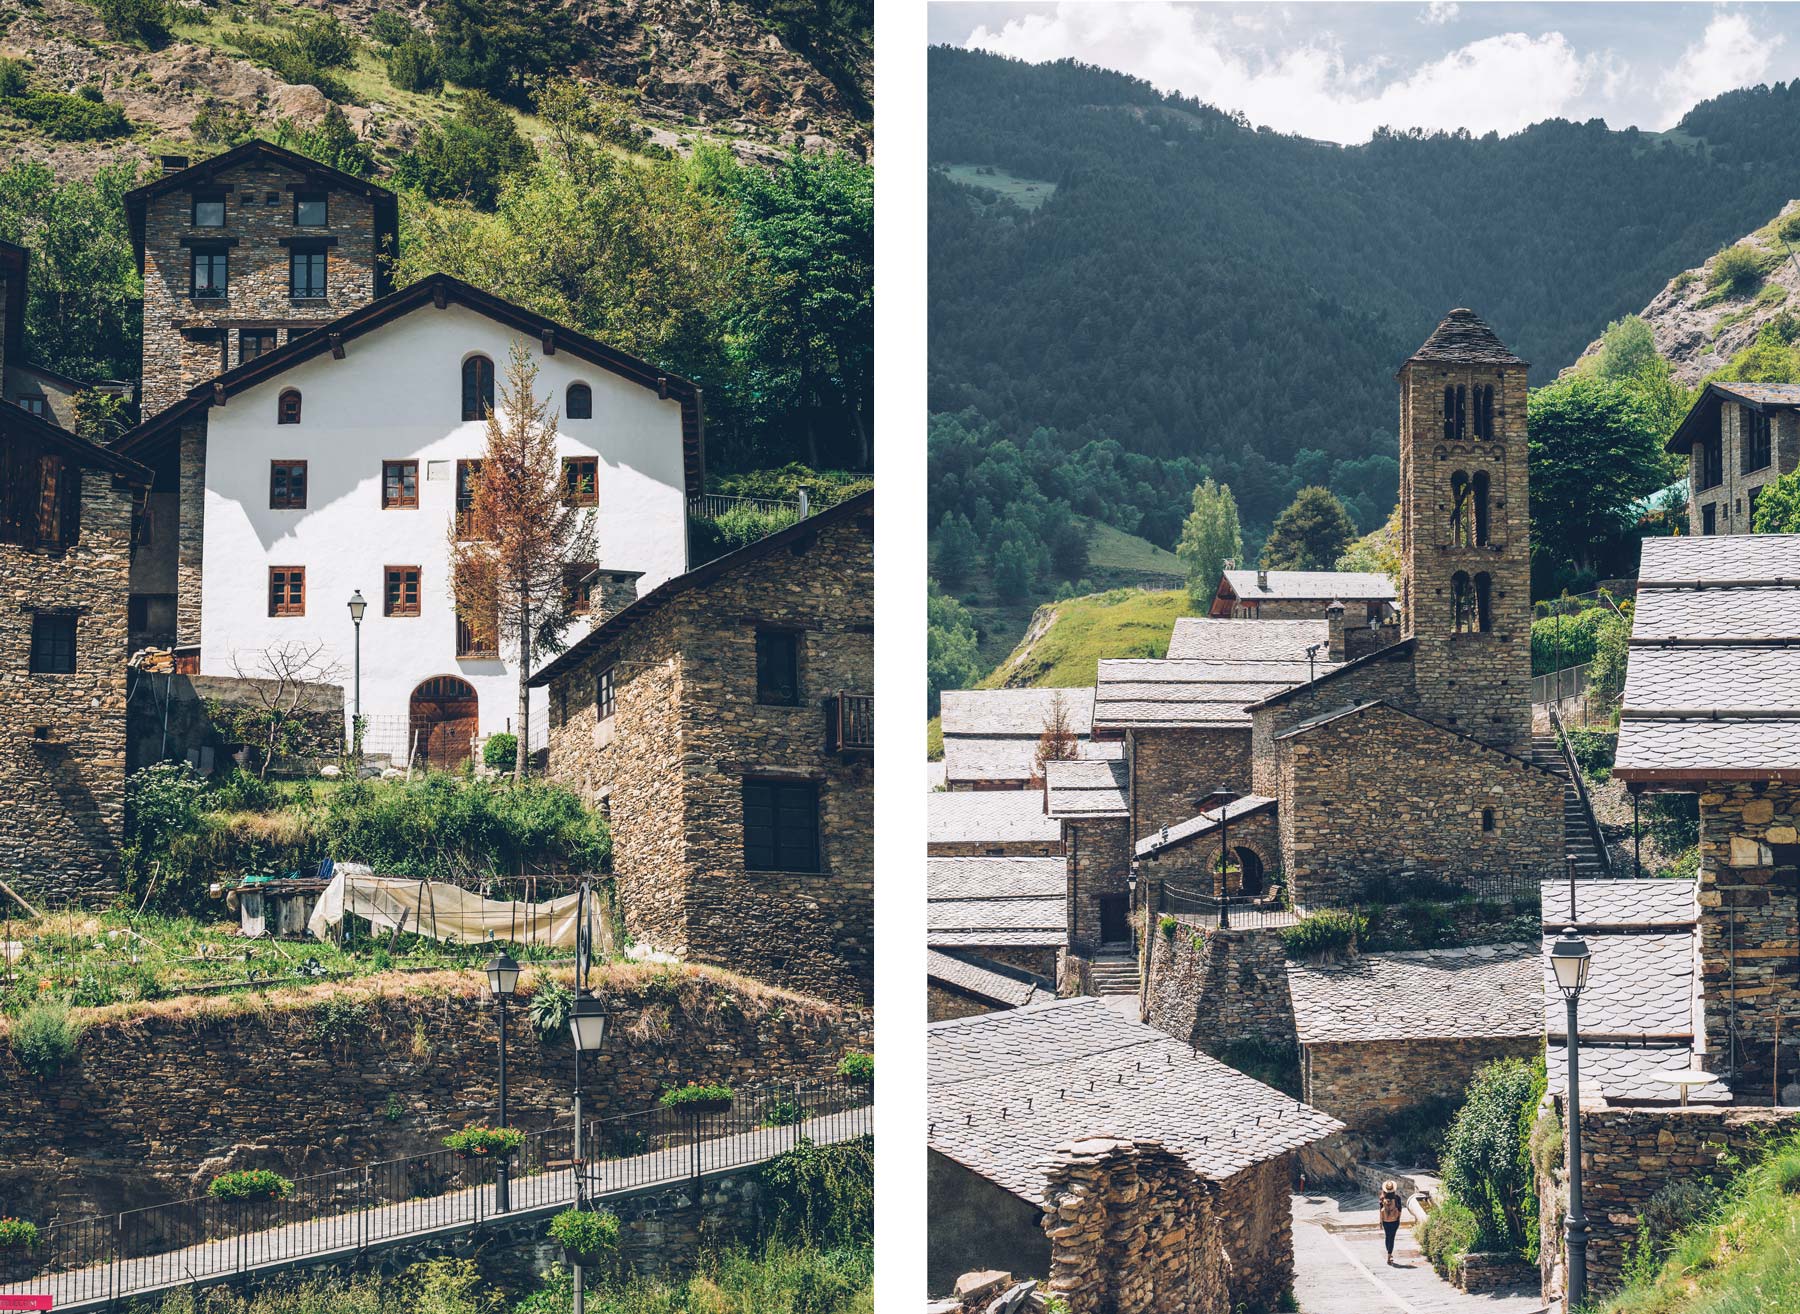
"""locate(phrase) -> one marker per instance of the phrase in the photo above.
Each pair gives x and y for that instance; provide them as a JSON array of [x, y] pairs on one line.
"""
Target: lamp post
[[1570, 960], [1131, 880], [357, 608], [587, 1024], [503, 979], [1222, 797]]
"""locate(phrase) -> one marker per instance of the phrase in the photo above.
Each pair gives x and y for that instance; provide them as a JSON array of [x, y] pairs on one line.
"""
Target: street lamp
[[503, 979], [1131, 880], [1220, 798], [587, 1025], [357, 608], [1570, 960]]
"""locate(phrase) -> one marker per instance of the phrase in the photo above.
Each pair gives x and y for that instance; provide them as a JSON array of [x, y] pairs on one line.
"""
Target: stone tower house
[[1465, 594]]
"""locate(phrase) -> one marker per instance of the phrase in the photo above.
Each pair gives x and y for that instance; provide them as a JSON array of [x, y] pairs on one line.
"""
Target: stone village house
[[1737, 437], [725, 722], [28, 384]]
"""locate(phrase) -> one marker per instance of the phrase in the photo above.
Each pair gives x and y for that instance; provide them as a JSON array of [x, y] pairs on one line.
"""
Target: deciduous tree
[[1210, 537], [1311, 534]]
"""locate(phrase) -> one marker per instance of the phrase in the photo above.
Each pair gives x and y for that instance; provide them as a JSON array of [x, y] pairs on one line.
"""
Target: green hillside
[[1066, 640], [1113, 551]]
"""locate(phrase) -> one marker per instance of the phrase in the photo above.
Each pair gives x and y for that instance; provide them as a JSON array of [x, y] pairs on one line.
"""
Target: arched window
[[1487, 819], [1478, 491], [1462, 603], [477, 388], [1462, 411], [580, 405], [1484, 411], [1484, 613], [1459, 510], [287, 408], [1449, 413]]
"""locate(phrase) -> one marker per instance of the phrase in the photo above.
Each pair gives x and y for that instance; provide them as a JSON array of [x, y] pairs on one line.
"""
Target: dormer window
[[209, 212], [311, 212]]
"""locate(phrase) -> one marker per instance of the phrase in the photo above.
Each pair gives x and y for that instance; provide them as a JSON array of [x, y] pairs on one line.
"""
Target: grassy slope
[[1740, 1262], [1067, 639], [1026, 193], [1113, 550]]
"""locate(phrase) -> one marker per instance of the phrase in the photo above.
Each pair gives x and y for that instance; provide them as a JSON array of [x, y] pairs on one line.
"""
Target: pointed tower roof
[[1465, 338]]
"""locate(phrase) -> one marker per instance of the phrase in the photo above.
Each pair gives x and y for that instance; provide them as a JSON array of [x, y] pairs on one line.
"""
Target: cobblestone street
[[1338, 1267]]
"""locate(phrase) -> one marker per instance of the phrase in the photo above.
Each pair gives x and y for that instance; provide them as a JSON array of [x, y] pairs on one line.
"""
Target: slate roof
[[1321, 586], [1006, 1089], [973, 902], [1627, 1073], [1639, 986], [1431, 994], [988, 712], [994, 878], [1010, 757], [999, 985], [1141, 693], [1464, 338], [1208, 638], [1607, 904], [1702, 416], [989, 816], [1711, 692], [936, 776], [1076, 788], [1205, 823]]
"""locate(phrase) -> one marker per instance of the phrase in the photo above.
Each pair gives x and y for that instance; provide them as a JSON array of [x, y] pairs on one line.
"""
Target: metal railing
[[200, 1240], [1555, 686], [710, 506], [1520, 887], [1581, 793]]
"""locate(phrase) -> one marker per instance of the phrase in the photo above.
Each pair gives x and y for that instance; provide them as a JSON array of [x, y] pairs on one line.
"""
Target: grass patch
[[1111, 548], [1026, 193], [1067, 639]]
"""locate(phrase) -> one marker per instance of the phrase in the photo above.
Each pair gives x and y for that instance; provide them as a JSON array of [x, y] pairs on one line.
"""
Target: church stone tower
[[1465, 593]]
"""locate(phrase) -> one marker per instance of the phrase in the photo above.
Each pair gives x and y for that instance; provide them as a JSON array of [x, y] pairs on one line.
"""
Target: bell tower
[[1465, 592]]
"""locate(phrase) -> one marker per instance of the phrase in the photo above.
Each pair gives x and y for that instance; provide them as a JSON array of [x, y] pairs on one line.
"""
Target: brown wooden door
[[444, 714]]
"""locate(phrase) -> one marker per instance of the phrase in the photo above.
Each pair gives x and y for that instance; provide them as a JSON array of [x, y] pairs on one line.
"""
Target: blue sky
[[1338, 71]]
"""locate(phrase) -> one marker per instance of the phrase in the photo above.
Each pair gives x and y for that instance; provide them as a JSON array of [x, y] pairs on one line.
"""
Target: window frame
[[789, 694], [197, 199], [312, 198], [288, 502], [294, 577], [586, 392], [1708, 519], [308, 254], [572, 494], [41, 640], [779, 795], [474, 394], [468, 641], [1758, 440], [218, 290], [467, 470], [272, 335], [1711, 463], [396, 603], [400, 501], [281, 407], [35, 403], [606, 692]]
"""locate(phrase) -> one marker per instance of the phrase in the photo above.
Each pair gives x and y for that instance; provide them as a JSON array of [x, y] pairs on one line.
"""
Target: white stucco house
[[333, 466]]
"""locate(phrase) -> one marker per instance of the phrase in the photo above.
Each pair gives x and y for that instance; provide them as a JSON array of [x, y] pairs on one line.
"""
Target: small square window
[[209, 212], [399, 484], [52, 643], [581, 481], [287, 485], [478, 640], [287, 590], [402, 594], [605, 694], [254, 342], [310, 212], [778, 668], [37, 404]]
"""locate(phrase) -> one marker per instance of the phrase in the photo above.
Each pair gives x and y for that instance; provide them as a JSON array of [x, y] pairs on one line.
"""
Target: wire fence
[[1555, 686], [199, 1240]]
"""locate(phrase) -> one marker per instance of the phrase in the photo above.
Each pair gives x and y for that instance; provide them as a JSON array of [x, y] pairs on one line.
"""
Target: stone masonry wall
[[189, 340], [1388, 679], [190, 530], [1419, 793], [1098, 859], [1256, 1226], [1195, 863], [1367, 1086], [160, 1100], [1478, 683], [64, 799], [1749, 856], [1210, 988], [1172, 770], [1730, 498]]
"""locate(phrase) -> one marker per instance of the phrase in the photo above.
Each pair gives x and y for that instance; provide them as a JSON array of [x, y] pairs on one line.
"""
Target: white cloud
[[1501, 83], [1729, 54], [1439, 12]]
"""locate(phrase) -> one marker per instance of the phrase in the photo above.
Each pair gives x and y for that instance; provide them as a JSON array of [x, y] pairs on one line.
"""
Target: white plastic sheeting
[[449, 912]]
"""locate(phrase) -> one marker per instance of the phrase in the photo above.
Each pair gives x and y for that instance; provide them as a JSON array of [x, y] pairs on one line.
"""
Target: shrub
[[1486, 1164], [1787, 1176], [479, 1141], [1325, 935], [17, 1234], [250, 1184], [1681, 1202], [1448, 1233], [820, 1195], [500, 751], [781, 1110], [1789, 229], [44, 1038], [857, 1068], [69, 118], [13, 77], [549, 1008], [338, 1021], [593, 1234], [681, 1097], [240, 791], [1166, 924], [1594, 749], [135, 20], [413, 65], [1736, 271], [468, 156], [390, 28]]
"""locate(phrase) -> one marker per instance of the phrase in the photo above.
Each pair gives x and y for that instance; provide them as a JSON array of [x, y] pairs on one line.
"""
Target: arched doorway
[[441, 721], [1250, 872]]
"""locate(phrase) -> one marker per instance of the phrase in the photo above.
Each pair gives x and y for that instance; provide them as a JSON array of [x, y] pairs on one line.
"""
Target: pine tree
[[956, 544], [1057, 743]]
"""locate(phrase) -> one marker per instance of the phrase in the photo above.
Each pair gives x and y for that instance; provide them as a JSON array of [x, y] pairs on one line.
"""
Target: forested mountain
[[1113, 266]]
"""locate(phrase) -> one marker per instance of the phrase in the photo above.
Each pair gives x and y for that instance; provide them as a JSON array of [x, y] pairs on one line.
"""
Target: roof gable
[[1464, 338], [1702, 419], [15, 421]]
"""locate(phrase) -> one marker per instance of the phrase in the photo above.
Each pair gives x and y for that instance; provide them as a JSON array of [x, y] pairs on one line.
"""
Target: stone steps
[[1115, 975], [1578, 840]]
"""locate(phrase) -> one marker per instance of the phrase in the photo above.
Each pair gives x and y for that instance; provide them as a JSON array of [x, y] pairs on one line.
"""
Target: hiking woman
[[1390, 1205]]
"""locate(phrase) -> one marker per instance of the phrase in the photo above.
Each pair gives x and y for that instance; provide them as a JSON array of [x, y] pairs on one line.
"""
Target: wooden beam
[[549, 342], [337, 345]]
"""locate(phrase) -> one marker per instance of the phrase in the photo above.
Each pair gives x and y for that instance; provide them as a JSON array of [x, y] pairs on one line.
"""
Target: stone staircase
[[1115, 972], [1577, 838]]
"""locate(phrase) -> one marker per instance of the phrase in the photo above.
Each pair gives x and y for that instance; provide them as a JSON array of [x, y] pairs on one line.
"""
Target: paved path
[[316, 1239], [1339, 1267]]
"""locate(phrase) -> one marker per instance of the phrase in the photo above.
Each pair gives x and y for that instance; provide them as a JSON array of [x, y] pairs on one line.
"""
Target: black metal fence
[[1522, 888], [201, 1240]]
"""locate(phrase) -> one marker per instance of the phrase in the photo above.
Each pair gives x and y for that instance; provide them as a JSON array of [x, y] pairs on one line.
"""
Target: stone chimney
[[614, 590], [1334, 630], [1262, 579]]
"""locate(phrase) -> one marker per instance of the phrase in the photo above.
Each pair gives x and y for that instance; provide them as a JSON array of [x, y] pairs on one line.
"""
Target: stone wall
[[974, 1225], [688, 731], [1194, 863], [1172, 770], [943, 1004], [1387, 678], [1098, 858], [1749, 959], [164, 1096], [1210, 988], [188, 340], [64, 791], [190, 529], [170, 718], [1368, 1085], [1380, 792], [1256, 1226], [990, 849], [1730, 499], [1627, 1155]]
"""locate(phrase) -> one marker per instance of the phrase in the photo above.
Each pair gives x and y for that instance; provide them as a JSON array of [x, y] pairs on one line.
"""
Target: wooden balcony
[[850, 723]]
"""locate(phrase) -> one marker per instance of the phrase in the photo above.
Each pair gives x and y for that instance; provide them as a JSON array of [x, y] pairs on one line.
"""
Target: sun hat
[[1390, 1186]]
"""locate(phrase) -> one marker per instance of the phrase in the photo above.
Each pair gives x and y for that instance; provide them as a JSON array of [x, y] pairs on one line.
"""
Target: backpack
[[1390, 1208]]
